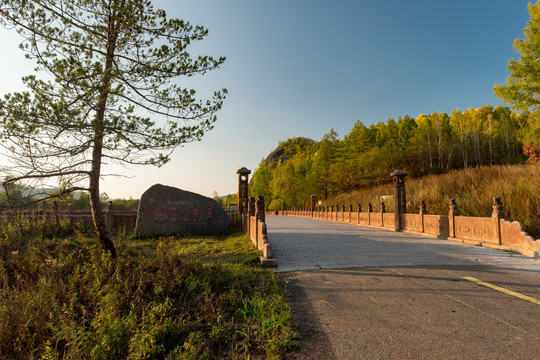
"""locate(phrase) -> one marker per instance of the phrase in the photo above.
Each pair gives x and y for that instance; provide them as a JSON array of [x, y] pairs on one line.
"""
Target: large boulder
[[167, 210]]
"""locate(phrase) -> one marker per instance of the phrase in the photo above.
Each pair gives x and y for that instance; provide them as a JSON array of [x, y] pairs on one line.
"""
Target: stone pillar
[[400, 200], [359, 211], [251, 206], [244, 216], [423, 211], [350, 212], [259, 211], [312, 198], [497, 216], [243, 177], [343, 213], [453, 212], [370, 210], [383, 210]]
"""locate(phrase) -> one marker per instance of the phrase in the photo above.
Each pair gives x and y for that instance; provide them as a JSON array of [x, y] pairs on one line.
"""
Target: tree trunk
[[95, 202]]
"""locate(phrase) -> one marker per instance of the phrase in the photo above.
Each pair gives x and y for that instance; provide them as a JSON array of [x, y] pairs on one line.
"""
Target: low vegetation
[[62, 297], [473, 188]]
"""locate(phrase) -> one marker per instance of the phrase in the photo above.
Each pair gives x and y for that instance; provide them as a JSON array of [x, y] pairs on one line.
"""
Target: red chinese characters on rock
[[194, 213]]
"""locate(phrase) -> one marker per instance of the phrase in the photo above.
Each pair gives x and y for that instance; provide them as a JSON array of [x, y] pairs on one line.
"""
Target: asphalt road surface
[[363, 293]]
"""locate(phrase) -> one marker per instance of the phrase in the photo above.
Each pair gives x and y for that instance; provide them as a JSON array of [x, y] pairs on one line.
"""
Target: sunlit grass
[[162, 298]]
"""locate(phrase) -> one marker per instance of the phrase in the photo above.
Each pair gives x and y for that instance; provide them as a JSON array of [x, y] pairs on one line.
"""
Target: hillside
[[474, 140]]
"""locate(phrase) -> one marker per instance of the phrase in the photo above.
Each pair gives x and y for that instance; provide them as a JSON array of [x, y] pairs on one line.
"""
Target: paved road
[[362, 293]]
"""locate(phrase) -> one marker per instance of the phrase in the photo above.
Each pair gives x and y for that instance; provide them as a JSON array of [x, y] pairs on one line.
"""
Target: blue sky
[[301, 67]]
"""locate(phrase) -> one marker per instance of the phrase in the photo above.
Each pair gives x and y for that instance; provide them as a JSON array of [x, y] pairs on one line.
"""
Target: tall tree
[[111, 64], [324, 159], [261, 182], [522, 87]]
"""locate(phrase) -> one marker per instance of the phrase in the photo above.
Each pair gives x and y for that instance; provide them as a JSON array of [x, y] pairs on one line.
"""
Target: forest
[[430, 144]]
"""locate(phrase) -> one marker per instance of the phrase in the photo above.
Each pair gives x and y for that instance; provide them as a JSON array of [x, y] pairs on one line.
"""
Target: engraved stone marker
[[167, 210]]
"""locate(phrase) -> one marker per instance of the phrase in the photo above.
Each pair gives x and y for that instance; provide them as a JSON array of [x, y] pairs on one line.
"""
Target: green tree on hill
[[108, 62], [522, 87]]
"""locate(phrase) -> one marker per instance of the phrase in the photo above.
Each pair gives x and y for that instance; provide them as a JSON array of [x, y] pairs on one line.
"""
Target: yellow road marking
[[504, 290], [515, 327]]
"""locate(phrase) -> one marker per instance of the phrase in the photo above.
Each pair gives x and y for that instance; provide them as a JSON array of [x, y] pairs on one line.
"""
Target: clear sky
[[301, 67]]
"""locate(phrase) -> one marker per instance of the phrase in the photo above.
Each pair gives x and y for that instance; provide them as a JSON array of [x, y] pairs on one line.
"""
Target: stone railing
[[494, 232], [254, 225], [252, 214]]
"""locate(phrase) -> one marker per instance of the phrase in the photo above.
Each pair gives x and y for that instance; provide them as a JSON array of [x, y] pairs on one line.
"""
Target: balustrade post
[[423, 211], [259, 211], [497, 216], [383, 210], [400, 201], [452, 213]]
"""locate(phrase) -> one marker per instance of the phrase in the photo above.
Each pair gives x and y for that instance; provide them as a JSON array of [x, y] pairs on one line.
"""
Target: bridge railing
[[494, 232], [253, 218]]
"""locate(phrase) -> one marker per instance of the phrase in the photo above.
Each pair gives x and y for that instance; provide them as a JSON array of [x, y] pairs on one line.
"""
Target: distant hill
[[287, 149]]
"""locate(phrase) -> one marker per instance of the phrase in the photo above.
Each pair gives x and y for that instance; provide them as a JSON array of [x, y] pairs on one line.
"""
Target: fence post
[[400, 201], [383, 210], [370, 210], [350, 213], [498, 214], [55, 212], [453, 212], [423, 211], [283, 208], [313, 198], [359, 211], [109, 216]]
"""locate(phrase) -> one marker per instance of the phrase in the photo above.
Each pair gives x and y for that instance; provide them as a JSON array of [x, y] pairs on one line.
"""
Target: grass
[[164, 298], [518, 186]]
